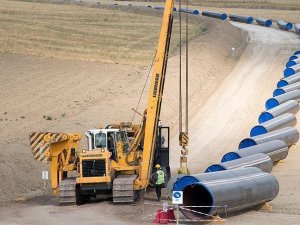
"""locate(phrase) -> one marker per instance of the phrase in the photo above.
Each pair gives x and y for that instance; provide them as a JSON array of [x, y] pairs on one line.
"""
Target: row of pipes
[[242, 179], [239, 18]]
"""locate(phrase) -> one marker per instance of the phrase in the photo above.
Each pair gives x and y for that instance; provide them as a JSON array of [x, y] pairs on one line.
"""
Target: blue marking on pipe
[[258, 130]]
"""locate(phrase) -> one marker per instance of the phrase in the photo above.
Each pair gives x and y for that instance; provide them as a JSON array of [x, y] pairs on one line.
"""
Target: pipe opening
[[197, 195]]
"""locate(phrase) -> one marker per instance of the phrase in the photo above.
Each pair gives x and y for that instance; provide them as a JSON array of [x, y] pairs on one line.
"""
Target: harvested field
[[82, 33]]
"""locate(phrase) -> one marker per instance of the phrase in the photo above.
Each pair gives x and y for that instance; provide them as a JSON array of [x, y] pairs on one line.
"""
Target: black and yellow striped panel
[[183, 139], [40, 142]]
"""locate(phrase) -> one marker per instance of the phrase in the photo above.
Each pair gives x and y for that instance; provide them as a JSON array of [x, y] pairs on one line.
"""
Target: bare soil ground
[[226, 98], [65, 95]]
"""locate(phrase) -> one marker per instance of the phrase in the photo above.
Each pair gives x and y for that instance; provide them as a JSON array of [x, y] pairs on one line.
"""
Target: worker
[[160, 180]]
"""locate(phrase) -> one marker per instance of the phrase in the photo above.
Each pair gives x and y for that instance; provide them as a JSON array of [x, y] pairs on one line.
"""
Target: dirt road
[[221, 121]]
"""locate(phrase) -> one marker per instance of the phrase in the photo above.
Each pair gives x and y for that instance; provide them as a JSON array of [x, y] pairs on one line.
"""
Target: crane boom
[[155, 95]]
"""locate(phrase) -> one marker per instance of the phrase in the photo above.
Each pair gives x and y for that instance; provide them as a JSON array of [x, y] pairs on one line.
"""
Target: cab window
[[100, 140]]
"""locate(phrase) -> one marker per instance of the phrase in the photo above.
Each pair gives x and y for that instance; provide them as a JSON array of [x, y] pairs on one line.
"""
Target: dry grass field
[[80, 32]]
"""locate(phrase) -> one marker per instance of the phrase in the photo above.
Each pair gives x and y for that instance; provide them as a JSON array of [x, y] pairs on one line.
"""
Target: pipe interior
[[197, 195]]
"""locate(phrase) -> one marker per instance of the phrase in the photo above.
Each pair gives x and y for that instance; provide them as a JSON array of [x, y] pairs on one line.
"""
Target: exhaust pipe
[[276, 150], [289, 135], [236, 194], [259, 160], [282, 121]]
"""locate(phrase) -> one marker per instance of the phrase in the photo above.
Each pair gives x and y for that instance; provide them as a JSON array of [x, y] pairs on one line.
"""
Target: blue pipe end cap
[[250, 19], [265, 116], [258, 130], [278, 91], [223, 16], [247, 142], [180, 184], [268, 23], [293, 57], [271, 103], [290, 64], [230, 156], [289, 26], [288, 72], [215, 168], [297, 52], [196, 12], [282, 83]]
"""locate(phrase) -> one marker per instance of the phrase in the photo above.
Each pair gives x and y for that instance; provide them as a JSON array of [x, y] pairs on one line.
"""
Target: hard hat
[[157, 166]]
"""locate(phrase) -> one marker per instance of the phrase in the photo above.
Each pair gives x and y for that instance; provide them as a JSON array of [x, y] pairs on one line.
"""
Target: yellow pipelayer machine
[[120, 158]]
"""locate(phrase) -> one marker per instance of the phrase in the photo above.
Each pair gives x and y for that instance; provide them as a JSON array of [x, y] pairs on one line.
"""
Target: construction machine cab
[[108, 139]]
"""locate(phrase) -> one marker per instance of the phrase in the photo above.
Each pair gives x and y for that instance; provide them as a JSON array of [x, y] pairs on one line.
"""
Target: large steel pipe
[[283, 25], [244, 19], [289, 135], [162, 8], [264, 22], [235, 193], [221, 16], [191, 11], [289, 80], [275, 101], [297, 28], [285, 120], [293, 62], [184, 181], [285, 89], [276, 150], [290, 106], [292, 70], [260, 160]]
